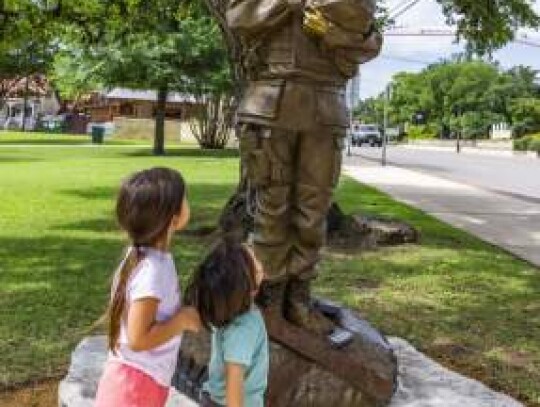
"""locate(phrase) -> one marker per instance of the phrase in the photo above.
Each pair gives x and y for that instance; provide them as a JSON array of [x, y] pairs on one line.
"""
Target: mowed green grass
[[471, 306], [58, 139], [59, 242]]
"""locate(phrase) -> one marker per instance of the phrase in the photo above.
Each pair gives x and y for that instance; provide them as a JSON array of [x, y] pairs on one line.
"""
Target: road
[[495, 198], [513, 176]]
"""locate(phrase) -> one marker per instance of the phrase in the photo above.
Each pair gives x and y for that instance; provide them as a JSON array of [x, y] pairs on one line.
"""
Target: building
[[33, 92], [137, 104], [130, 114]]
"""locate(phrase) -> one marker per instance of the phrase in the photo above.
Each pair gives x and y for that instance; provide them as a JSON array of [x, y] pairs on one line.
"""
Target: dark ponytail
[[118, 298]]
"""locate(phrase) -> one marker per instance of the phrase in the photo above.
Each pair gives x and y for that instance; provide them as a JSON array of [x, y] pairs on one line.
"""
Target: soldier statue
[[293, 120]]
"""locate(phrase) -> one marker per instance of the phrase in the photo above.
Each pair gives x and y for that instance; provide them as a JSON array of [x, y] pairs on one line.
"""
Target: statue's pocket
[[262, 99], [331, 107]]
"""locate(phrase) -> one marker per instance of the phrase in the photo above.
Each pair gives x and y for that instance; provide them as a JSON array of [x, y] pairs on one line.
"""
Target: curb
[[474, 150]]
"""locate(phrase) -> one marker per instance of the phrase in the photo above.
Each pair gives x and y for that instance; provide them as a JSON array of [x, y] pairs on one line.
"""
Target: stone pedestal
[[421, 381]]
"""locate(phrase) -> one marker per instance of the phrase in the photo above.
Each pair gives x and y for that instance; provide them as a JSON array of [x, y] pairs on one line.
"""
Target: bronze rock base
[[306, 370]]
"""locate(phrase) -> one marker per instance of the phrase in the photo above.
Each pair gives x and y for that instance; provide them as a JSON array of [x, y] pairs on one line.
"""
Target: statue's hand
[[315, 23]]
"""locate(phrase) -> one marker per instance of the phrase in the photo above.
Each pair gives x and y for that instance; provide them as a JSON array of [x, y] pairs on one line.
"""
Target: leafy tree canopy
[[461, 95]]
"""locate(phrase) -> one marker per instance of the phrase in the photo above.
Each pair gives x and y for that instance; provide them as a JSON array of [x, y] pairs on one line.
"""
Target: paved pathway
[[509, 222]]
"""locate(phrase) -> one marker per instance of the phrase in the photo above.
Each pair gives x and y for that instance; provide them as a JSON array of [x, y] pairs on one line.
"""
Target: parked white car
[[366, 134]]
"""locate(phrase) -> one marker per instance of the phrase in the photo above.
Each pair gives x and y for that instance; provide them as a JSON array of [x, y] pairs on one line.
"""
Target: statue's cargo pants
[[291, 175]]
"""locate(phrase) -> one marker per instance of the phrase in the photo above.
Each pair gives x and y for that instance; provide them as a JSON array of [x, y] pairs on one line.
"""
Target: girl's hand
[[190, 319]]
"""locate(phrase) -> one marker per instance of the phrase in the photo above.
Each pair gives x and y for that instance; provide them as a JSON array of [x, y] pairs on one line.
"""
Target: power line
[[419, 34], [404, 31], [397, 7], [405, 59], [407, 7], [527, 42]]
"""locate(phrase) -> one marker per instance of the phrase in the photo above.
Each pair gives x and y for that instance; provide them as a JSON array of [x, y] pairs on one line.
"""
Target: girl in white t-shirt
[[145, 317]]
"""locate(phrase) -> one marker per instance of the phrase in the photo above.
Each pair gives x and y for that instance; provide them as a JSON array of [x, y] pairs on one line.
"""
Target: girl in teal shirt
[[223, 290]]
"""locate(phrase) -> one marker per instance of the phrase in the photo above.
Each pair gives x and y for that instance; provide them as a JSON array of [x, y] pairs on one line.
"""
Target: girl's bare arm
[[145, 333], [234, 384]]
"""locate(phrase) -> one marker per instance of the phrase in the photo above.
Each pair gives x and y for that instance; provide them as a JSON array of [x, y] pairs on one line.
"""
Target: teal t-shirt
[[244, 341]]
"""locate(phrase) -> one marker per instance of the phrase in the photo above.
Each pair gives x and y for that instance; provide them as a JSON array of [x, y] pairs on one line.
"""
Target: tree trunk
[[159, 136]]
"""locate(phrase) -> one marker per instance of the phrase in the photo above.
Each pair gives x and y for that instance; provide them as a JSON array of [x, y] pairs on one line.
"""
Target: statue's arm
[[253, 18], [348, 59], [357, 48], [349, 47]]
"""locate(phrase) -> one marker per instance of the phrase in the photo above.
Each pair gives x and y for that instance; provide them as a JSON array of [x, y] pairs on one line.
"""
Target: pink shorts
[[125, 386]]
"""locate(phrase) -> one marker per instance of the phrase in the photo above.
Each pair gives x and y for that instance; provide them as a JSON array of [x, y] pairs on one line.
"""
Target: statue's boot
[[300, 311], [271, 299]]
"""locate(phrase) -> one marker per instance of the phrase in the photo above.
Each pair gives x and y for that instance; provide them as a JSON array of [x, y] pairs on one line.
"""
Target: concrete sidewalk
[[474, 150], [508, 222]]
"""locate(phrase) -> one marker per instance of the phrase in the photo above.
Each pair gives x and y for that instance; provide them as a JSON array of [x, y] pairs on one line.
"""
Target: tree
[[170, 48], [74, 75], [7, 72], [214, 90], [489, 25], [26, 46], [370, 110], [481, 92]]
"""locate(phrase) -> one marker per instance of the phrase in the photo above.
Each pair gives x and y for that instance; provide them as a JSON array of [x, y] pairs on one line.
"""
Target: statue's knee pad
[[309, 214], [339, 145], [272, 220]]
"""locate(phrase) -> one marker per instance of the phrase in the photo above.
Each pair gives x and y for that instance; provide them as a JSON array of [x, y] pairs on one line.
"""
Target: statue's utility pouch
[[262, 99], [260, 169], [331, 107], [255, 159]]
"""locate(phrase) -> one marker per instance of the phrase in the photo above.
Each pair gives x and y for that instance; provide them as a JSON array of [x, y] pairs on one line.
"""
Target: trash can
[[97, 134]]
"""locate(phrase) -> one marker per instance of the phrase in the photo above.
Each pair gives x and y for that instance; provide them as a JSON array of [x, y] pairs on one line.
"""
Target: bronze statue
[[293, 120], [296, 58]]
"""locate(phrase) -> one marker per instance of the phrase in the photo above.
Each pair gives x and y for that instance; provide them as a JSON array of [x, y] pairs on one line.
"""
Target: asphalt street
[[493, 197], [515, 176]]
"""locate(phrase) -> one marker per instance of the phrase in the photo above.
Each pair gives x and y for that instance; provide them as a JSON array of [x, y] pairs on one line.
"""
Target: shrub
[[521, 144], [524, 127], [421, 132], [527, 143], [534, 145]]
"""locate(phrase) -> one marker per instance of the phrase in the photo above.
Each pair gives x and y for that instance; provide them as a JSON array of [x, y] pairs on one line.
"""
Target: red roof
[[37, 86]]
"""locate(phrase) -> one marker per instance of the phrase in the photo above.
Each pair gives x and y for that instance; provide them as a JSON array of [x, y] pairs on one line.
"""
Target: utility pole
[[353, 92], [457, 113], [385, 126], [349, 142]]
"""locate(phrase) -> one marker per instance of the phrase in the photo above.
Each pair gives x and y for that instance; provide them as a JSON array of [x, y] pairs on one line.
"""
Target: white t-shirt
[[155, 276]]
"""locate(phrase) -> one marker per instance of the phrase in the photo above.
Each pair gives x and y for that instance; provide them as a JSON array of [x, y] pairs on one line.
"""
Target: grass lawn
[[37, 138], [471, 306]]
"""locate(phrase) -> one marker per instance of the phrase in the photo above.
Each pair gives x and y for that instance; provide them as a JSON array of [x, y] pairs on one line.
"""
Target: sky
[[412, 54]]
